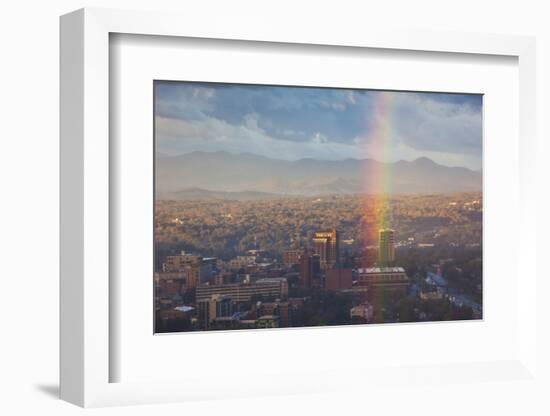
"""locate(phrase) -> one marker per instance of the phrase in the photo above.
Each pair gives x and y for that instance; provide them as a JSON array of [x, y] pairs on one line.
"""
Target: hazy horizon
[[226, 172], [161, 154]]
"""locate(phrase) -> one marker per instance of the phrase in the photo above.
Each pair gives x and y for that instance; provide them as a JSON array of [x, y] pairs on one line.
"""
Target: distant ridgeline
[[225, 175]]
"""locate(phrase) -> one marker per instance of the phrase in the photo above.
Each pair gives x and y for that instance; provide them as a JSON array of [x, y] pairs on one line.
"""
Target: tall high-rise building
[[338, 279], [316, 265], [308, 269], [386, 249], [326, 245]]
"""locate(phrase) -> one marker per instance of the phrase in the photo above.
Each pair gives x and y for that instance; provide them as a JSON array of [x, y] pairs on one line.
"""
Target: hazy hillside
[[205, 194], [215, 174]]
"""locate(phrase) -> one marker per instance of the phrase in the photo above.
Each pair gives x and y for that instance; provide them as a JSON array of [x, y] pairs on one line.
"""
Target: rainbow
[[378, 178]]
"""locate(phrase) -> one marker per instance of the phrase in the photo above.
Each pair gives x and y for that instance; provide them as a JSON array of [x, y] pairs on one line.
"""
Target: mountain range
[[225, 175]]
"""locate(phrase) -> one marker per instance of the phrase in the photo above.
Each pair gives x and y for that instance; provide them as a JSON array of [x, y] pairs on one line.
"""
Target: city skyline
[[311, 262]]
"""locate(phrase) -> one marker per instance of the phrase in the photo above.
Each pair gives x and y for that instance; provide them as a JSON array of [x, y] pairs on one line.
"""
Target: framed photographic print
[[319, 212], [287, 206]]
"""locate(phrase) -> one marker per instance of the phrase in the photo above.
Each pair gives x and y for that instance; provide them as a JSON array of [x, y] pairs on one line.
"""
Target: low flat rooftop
[[184, 308], [265, 317], [271, 280], [381, 270]]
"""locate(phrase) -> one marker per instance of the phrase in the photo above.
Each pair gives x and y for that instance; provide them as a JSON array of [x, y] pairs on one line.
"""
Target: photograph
[[275, 208], [279, 206]]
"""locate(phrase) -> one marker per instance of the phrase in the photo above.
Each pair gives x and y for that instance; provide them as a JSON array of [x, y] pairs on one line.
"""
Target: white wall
[[29, 208]]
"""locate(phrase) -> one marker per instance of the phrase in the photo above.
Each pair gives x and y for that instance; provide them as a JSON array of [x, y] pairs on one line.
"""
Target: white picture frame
[[86, 355]]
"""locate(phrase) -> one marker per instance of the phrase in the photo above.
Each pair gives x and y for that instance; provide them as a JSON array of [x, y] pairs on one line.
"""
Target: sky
[[293, 123]]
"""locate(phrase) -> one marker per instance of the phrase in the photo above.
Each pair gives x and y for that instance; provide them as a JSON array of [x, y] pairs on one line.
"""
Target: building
[[309, 269], [206, 272], [463, 301], [327, 246], [386, 248], [196, 269], [224, 306], [281, 282], [241, 262], [389, 278], [434, 279], [256, 252], [217, 306], [192, 276], [179, 262], [292, 257], [245, 292], [338, 279], [188, 276], [431, 294], [174, 319], [362, 313], [267, 321], [185, 309], [284, 313], [212, 261], [160, 276], [170, 283], [206, 312], [278, 308]]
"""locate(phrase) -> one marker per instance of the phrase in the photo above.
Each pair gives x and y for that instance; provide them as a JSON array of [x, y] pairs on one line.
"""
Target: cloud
[[182, 100], [174, 136], [431, 124], [296, 122], [281, 110]]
